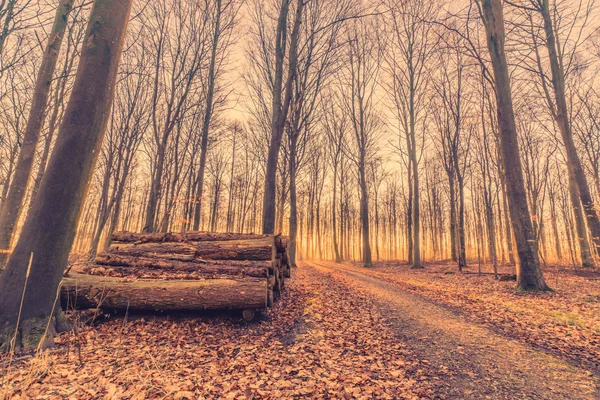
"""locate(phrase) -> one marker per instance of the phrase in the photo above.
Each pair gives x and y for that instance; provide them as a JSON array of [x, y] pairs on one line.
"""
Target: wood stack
[[182, 272]]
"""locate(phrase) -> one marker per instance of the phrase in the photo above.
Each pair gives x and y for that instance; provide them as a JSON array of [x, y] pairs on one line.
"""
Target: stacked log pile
[[182, 272]]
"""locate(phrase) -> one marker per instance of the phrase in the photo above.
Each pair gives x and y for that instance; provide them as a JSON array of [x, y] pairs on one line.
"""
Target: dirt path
[[467, 360]]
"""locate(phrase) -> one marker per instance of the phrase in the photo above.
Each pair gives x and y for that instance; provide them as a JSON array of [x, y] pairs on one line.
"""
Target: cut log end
[[248, 314]]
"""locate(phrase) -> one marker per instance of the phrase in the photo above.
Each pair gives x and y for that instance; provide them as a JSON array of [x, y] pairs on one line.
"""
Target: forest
[[299, 199]]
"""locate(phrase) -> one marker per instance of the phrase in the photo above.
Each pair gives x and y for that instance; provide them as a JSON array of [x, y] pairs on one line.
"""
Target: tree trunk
[[129, 237], [133, 264], [89, 291], [409, 215], [562, 119], [230, 212], [507, 226], [554, 218], [489, 218], [416, 211], [364, 216], [336, 250], [155, 190], [587, 261], [280, 109], [462, 245], [13, 202], [453, 223], [293, 203], [207, 117], [529, 274], [35, 268]]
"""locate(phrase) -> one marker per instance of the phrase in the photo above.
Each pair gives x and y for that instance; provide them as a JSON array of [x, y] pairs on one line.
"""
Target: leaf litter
[[322, 340]]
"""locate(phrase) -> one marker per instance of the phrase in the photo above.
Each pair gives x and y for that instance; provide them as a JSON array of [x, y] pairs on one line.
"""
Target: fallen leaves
[[319, 341]]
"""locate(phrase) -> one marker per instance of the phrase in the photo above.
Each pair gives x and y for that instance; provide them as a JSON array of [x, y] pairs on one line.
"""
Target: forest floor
[[342, 331], [481, 337], [319, 341]]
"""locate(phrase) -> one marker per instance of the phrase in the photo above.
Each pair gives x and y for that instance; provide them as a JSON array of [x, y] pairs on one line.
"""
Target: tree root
[[63, 324], [33, 334]]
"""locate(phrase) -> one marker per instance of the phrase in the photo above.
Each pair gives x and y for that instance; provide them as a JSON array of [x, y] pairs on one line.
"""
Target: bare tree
[[336, 125], [557, 26], [529, 274], [408, 55], [129, 120], [281, 100], [28, 286], [224, 18], [453, 139], [359, 84], [178, 36], [13, 203]]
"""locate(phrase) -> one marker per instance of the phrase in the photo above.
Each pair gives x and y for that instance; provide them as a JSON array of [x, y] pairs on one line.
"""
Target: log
[[170, 274], [255, 250], [149, 249], [258, 269], [88, 291], [130, 237], [251, 250]]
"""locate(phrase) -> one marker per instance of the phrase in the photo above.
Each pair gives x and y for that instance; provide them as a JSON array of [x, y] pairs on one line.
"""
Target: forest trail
[[467, 360]]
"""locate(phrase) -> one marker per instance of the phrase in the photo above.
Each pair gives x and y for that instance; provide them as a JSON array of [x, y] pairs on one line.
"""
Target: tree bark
[[35, 268], [280, 109], [89, 291], [462, 245], [453, 223], [132, 264], [13, 204], [293, 202], [562, 119], [336, 250], [554, 218], [529, 274], [129, 237], [587, 261], [207, 116], [364, 214], [255, 250]]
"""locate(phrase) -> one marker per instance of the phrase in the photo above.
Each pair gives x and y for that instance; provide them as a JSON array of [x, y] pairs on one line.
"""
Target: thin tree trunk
[[280, 109], [364, 216], [507, 226], [207, 117], [555, 226], [562, 119], [587, 261], [336, 250], [409, 215], [453, 219], [462, 245]]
